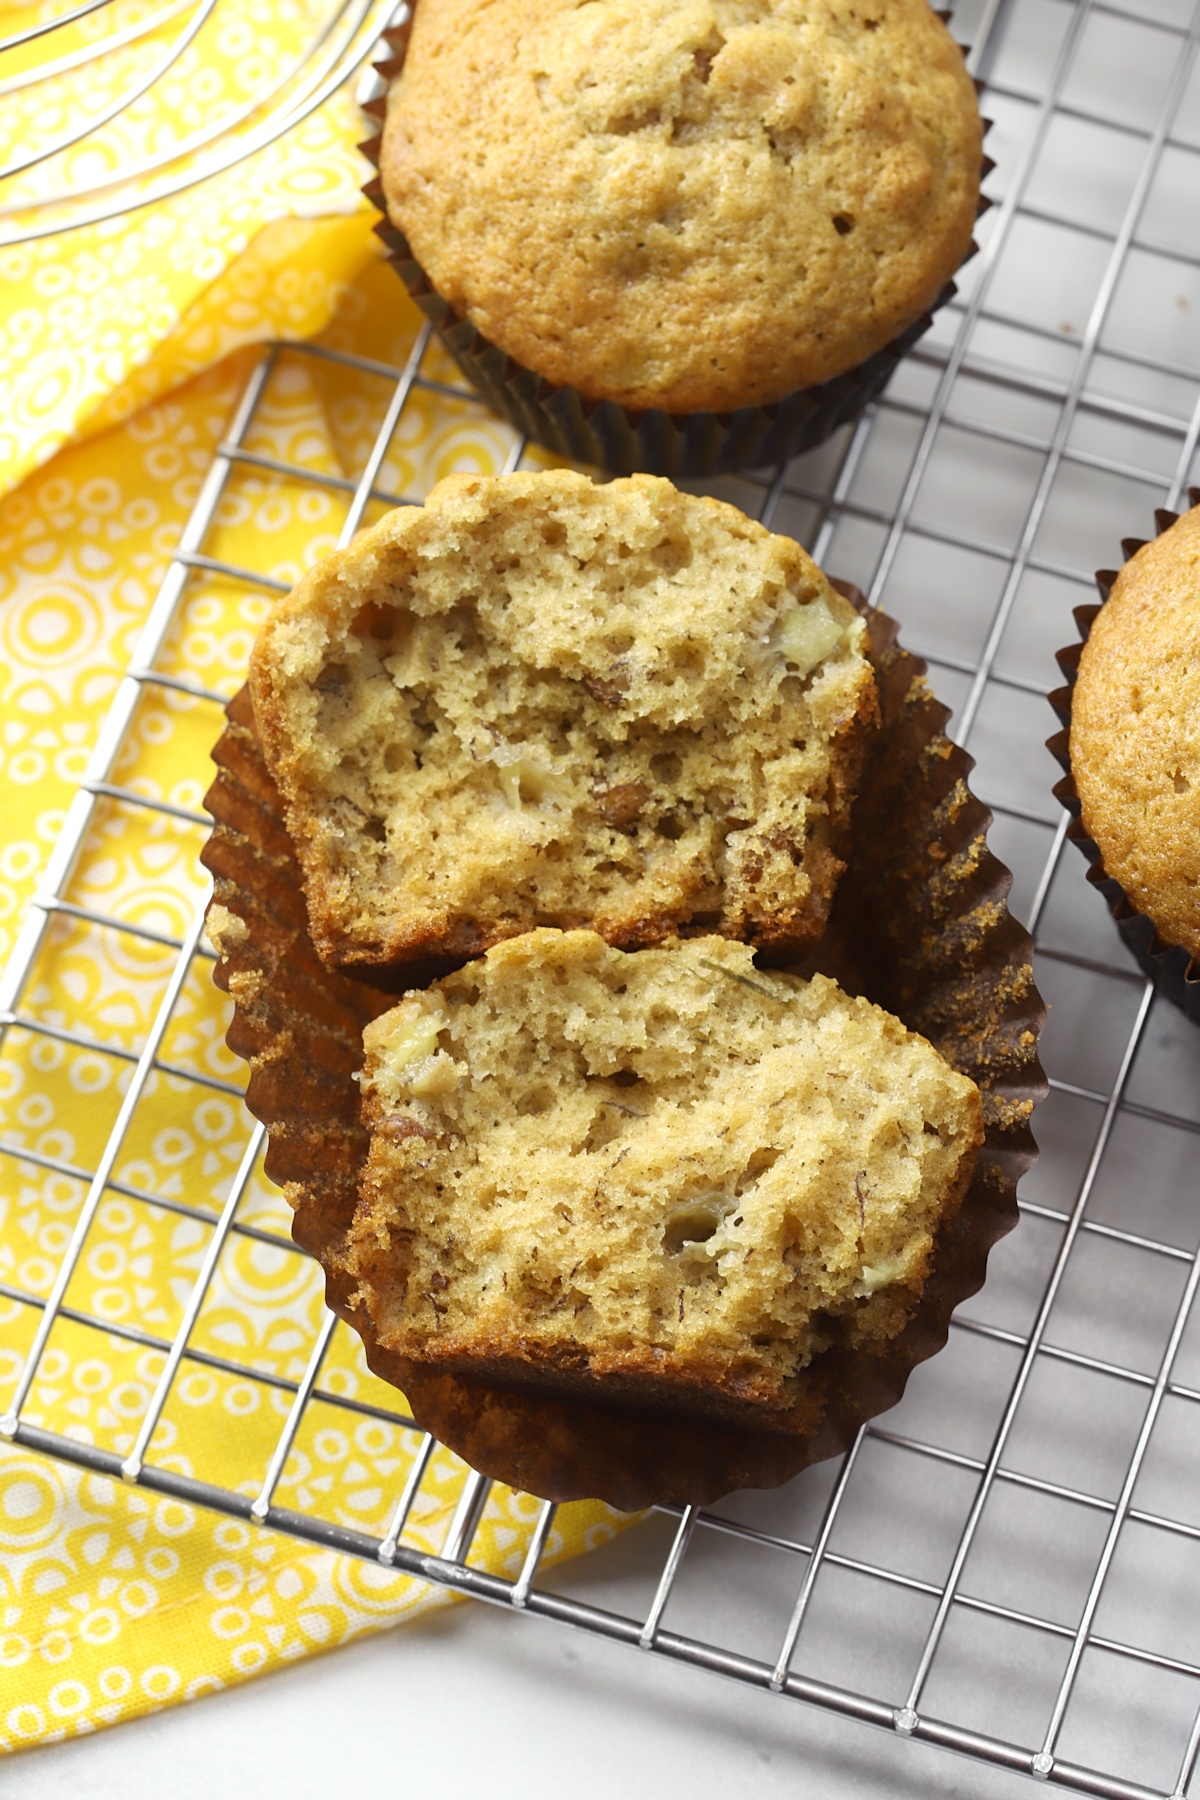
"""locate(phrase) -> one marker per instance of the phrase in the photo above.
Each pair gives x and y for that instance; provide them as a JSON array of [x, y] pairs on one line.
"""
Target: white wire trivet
[[344, 34]]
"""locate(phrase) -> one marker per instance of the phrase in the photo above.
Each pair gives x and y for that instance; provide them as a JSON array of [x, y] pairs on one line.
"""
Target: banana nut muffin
[[1135, 732], [686, 204], [538, 701], [663, 1172]]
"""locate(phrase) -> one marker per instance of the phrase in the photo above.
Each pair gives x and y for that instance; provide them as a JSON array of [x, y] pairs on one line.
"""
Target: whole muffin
[[1135, 732], [537, 700], [684, 204]]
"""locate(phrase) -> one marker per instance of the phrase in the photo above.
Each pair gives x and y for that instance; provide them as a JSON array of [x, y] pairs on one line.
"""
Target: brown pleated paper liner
[[607, 435], [1173, 970], [920, 925]]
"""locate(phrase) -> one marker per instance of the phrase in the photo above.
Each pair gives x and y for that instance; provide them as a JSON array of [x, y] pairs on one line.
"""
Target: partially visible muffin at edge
[[540, 701], [1135, 732], [697, 205], [665, 1176]]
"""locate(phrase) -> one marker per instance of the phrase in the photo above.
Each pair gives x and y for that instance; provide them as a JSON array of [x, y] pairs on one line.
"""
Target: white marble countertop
[[467, 1702]]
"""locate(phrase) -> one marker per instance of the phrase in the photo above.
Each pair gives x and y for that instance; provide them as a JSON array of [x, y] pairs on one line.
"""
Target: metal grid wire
[[1002, 1565]]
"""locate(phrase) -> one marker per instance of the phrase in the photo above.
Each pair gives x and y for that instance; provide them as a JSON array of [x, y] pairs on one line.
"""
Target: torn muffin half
[[539, 701], [660, 1178]]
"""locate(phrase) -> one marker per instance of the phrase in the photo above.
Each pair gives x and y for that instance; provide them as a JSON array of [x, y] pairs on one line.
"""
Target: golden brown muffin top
[[1135, 732], [692, 204]]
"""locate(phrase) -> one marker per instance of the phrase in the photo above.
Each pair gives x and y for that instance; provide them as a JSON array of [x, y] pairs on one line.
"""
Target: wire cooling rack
[[1007, 1564]]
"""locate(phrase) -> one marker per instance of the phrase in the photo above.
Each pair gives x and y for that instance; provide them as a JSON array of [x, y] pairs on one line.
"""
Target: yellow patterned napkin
[[114, 1601]]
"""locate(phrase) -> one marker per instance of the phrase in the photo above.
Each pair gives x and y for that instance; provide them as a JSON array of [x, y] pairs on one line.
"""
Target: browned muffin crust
[[694, 207], [539, 701], [1135, 732]]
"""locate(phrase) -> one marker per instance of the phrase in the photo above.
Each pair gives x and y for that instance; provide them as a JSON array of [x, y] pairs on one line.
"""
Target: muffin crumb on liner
[[605, 434], [1172, 969], [920, 925]]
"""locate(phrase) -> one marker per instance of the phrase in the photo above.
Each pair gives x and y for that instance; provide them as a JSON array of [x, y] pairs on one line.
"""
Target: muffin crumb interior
[[667, 1162], [538, 701]]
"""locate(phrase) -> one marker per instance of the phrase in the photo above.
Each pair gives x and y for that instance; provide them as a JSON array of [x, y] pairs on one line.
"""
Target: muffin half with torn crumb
[[663, 1178], [536, 701]]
